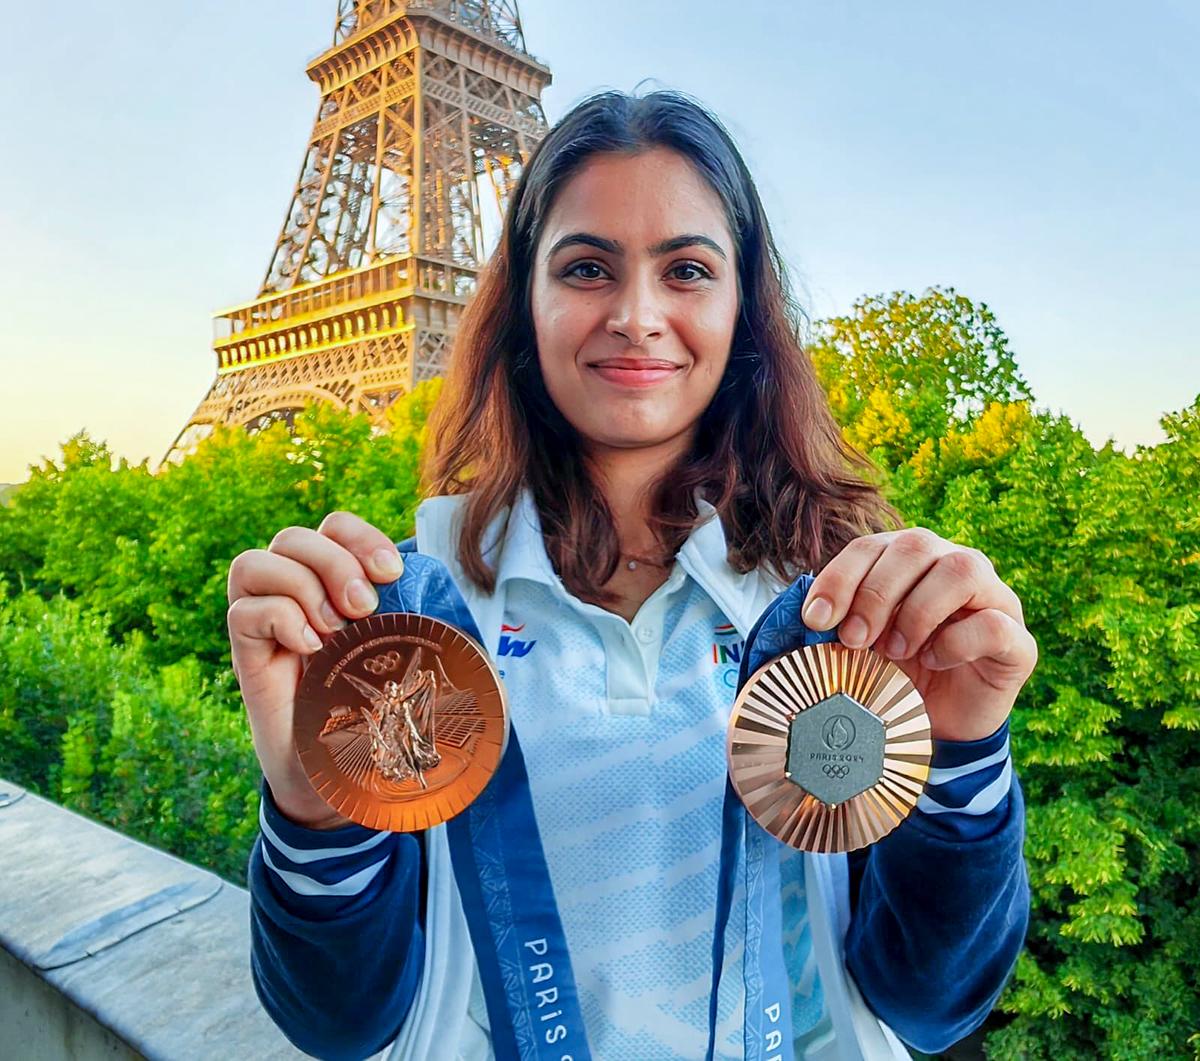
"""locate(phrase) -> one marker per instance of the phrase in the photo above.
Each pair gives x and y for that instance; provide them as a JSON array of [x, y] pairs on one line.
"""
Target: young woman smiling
[[631, 461]]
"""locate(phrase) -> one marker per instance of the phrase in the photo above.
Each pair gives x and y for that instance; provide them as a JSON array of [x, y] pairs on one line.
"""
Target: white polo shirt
[[623, 728]]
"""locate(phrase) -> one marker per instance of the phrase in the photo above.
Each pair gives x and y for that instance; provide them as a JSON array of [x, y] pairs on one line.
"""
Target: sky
[[1043, 159]]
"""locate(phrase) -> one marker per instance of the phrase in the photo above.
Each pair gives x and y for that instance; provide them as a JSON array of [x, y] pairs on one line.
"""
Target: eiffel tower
[[428, 110]]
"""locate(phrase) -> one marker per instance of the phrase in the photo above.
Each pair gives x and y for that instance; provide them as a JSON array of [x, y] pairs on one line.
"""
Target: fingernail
[[361, 596], [853, 632], [330, 614], [817, 612], [929, 659], [388, 562], [312, 638], [895, 645]]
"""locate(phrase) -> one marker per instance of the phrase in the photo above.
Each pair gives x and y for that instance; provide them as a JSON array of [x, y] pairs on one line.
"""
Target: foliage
[[152, 552], [116, 695], [163, 754], [1103, 549], [901, 369]]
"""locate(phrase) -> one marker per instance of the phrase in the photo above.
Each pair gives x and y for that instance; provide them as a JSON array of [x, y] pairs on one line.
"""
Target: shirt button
[[645, 634]]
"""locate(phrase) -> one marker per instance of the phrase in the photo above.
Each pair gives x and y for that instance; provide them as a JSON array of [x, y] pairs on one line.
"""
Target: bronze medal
[[829, 747], [401, 720]]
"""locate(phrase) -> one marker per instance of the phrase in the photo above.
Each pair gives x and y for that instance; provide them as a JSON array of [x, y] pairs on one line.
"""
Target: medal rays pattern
[[758, 740]]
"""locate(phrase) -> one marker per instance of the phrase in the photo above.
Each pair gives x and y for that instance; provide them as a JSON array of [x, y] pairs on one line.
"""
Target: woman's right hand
[[305, 584]]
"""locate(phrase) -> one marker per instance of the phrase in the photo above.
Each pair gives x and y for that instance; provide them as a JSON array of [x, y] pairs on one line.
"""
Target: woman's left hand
[[941, 613]]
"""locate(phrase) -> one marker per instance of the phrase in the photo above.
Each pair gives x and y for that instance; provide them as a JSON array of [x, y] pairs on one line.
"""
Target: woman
[[630, 463]]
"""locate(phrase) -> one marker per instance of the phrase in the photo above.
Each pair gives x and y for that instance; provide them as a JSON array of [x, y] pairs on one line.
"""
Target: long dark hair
[[791, 492]]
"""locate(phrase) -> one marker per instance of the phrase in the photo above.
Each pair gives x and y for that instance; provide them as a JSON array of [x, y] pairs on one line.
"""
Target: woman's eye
[[694, 267], [595, 271], [575, 270]]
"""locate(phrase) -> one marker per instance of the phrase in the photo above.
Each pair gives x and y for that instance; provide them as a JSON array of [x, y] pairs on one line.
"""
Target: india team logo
[[727, 653], [727, 647]]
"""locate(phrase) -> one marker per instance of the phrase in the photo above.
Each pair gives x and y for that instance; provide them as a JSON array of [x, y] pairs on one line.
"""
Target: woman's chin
[[632, 439]]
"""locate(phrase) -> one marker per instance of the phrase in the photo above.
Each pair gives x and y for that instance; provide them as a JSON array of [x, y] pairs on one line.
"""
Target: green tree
[[901, 369], [163, 754], [116, 695], [1102, 549], [32, 530], [152, 552], [56, 663]]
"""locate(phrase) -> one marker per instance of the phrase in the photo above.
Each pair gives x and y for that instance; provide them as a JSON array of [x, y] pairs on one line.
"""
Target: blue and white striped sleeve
[[967, 794], [331, 907], [321, 873], [941, 904]]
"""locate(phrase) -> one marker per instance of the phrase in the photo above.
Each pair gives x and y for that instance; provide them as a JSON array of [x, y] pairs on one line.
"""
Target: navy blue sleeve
[[941, 905], [336, 938]]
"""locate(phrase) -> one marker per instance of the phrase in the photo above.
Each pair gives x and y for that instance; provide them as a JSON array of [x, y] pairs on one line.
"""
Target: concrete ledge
[[112, 948]]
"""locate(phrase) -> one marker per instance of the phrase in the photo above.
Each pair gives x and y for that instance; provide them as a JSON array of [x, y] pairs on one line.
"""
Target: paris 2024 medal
[[401, 720], [829, 747]]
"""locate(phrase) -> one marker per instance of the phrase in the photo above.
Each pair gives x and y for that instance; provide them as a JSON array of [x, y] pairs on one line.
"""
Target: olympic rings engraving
[[389, 661]]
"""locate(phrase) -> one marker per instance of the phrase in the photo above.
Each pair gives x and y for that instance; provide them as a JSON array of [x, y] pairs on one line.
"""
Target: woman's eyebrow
[[587, 239]]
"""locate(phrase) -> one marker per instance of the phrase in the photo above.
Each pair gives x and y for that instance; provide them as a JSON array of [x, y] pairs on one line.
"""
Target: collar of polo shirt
[[522, 554]]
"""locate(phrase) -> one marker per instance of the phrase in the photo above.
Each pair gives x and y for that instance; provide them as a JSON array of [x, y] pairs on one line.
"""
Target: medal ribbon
[[502, 876], [767, 1027]]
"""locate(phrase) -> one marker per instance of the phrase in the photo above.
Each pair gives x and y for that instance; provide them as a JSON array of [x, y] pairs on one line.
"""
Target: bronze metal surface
[[762, 726], [401, 720]]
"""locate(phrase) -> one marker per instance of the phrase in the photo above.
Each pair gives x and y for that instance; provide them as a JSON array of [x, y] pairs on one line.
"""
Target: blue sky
[[1041, 158]]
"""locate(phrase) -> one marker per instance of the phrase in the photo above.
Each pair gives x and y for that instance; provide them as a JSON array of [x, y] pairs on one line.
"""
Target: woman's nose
[[637, 314]]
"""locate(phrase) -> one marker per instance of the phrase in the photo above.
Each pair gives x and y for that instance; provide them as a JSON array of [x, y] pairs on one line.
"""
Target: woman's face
[[634, 300]]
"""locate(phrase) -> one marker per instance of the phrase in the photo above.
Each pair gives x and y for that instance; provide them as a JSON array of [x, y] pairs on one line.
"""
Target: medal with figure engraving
[[401, 721], [829, 747]]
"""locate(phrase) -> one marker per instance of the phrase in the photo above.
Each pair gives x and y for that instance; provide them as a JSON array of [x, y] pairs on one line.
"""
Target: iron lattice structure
[[426, 109]]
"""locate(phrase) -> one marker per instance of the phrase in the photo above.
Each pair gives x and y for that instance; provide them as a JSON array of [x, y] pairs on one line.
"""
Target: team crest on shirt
[[727, 651], [727, 646]]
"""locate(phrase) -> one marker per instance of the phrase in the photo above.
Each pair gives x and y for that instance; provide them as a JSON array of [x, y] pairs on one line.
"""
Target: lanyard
[[768, 1012]]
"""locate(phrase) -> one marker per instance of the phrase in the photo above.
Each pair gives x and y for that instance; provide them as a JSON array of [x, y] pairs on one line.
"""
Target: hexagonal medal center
[[835, 749]]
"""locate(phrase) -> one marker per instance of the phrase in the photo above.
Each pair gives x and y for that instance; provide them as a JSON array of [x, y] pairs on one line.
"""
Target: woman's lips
[[635, 377]]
